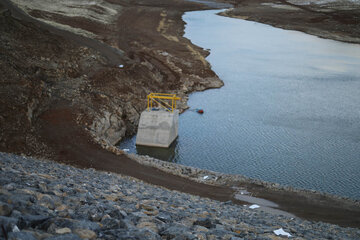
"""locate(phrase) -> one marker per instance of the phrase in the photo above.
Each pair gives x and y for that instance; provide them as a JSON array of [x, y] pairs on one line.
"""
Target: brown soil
[[62, 94], [86, 153], [312, 207]]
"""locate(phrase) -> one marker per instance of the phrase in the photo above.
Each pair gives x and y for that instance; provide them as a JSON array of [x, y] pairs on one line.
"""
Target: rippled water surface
[[289, 111]]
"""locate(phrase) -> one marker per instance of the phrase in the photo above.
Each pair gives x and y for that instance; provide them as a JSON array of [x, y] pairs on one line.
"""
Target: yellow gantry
[[163, 100]]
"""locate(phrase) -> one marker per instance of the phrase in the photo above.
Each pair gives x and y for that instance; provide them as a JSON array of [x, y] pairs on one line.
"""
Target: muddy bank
[[62, 95], [223, 187], [306, 204], [338, 20], [104, 79]]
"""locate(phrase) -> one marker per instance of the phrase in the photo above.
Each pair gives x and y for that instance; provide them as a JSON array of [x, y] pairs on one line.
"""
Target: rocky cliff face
[[100, 82]]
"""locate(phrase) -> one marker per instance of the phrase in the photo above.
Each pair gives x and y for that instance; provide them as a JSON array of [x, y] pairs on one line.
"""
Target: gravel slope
[[46, 200]]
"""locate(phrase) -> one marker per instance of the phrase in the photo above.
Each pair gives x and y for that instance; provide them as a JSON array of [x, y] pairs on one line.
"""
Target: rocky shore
[[41, 199], [272, 197], [77, 77]]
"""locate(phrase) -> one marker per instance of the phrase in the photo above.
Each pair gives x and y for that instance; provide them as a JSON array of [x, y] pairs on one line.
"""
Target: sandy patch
[[197, 55], [95, 10], [281, 6]]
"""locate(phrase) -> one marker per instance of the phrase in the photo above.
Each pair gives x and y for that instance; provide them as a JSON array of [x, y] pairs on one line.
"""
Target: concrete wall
[[157, 128]]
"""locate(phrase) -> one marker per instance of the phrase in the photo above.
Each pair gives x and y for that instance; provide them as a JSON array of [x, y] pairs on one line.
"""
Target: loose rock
[[138, 211]]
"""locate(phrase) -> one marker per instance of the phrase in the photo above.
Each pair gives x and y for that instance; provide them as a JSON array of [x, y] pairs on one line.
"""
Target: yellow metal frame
[[159, 99]]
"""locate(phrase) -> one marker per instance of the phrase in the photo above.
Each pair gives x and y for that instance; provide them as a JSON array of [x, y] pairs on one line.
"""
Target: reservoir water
[[289, 111]]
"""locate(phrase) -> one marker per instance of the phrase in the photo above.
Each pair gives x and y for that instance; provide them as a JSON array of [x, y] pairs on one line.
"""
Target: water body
[[289, 111]]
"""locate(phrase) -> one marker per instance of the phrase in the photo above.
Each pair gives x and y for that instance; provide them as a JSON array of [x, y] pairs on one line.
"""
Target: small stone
[[85, 233], [127, 224], [63, 230], [16, 214], [4, 192], [84, 224], [138, 214], [117, 213], [112, 197], [28, 191], [69, 236], [110, 223], [61, 208], [33, 220], [43, 187], [96, 217], [21, 236], [204, 214], [59, 194], [201, 236], [105, 217], [41, 235], [201, 229], [135, 234], [63, 214], [5, 209], [10, 187], [45, 176], [152, 213], [212, 237], [47, 201], [15, 229], [130, 199], [164, 216], [205, 222], [272, 237], [146, 207], [149, 225], [228, 236], [123, 213], [8, 223], [177, 230]]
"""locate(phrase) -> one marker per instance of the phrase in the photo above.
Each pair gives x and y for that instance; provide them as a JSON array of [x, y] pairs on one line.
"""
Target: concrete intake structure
[[157, 128]]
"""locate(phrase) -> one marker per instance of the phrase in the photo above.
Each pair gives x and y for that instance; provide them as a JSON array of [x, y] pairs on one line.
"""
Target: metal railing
[[164, 100]]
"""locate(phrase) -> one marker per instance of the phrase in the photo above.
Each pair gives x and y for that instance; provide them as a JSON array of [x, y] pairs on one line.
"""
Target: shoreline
[[226, 179], [222, 179], [313, 32], [303, 203], [72, 145], [335, 21]]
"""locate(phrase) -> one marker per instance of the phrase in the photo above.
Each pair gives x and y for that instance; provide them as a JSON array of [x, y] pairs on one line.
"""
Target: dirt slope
[[43, 64]]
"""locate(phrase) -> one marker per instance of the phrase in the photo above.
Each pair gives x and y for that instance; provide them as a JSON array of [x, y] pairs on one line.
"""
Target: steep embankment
[[100, 82]]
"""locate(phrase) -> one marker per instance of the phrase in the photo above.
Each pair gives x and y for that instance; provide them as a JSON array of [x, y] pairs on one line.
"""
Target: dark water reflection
[[289, 111], [165, 154]]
